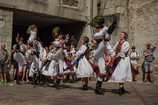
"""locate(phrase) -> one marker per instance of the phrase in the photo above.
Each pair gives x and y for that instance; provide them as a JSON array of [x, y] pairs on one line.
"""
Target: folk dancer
[[102, 37], [59, 59], [122, 67], [50, 67], [68, 67], [84, 69]]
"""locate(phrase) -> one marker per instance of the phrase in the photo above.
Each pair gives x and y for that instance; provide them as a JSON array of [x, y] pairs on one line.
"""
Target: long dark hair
[[126, 35]]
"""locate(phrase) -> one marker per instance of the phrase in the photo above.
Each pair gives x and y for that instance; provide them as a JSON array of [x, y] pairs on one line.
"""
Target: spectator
[[134, 56], [4, 61], [148, 62]]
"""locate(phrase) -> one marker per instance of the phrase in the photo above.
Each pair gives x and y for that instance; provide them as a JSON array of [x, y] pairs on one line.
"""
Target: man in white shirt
[[102, 36]]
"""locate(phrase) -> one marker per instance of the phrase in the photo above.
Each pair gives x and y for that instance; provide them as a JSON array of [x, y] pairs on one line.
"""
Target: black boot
[[149, 77], [121, 91], [144, 76], [85, 87], [98, 89], [18, 80], [57, 84]]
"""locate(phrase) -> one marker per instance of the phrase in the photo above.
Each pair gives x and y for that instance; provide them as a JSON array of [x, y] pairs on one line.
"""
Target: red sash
[[97, 71], [112, 62]]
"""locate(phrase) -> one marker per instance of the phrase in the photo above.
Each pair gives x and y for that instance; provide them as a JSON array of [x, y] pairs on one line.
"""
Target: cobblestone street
[[139, 94], [71, 94]]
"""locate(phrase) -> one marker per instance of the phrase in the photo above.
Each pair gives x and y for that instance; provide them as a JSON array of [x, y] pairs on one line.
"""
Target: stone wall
[[139, 18], [6, 18], [48, 7], [51, 8], [119, 8], [143, 22]]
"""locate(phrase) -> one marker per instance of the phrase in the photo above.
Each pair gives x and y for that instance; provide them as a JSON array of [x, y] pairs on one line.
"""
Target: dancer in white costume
[[42, 54], [102, 36], [34, 68], [59, 57], [50, 69], [84, 69], [122, 71], [39, 56]]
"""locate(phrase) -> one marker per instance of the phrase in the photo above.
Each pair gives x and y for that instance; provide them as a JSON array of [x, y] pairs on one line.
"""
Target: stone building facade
[[17, 15], [6, 18], [139, 18]]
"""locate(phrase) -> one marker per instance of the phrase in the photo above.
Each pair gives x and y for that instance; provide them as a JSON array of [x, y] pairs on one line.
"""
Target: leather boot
[[85, 87], [98, 89]]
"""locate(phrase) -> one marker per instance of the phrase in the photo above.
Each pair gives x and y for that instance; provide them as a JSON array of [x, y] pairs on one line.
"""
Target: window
[[70, 3]]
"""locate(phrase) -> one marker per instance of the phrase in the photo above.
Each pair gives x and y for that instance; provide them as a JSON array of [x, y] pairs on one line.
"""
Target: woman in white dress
[[84, 69], [42, 54], [55, 68], [34, 67], [122, 71], [38, 57], [50, 68]]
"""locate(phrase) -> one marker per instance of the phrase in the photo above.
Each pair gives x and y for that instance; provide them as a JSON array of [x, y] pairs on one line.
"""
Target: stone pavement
[[139, 94]]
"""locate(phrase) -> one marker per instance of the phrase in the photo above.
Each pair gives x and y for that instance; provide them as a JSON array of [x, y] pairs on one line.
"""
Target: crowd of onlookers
[[30, 56]]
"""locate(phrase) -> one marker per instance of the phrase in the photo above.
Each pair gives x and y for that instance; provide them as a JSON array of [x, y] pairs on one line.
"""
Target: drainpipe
[[91, 9], [128, 22], [91, 16]]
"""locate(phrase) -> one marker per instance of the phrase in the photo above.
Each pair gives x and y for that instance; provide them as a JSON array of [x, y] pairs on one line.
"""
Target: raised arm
[[112, 27], [101, 33], [81, 51]]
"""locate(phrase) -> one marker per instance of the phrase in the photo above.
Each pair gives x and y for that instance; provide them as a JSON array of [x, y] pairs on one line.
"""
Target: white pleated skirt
[[84, 68], [122, 71]]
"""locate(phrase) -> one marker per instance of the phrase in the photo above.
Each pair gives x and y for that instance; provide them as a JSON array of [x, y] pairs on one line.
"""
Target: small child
[[134, 56]]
